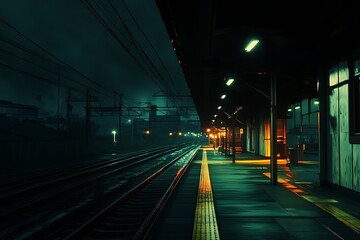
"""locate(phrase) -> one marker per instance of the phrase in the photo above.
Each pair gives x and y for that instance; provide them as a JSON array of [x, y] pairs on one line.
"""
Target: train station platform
[[218, 199]]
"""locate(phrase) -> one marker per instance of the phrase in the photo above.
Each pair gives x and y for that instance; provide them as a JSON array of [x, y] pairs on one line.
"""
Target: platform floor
[[247, 206]]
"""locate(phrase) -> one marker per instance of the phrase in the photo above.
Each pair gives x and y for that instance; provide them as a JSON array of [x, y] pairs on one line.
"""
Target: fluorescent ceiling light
[[229, 81], [223, 96], [219, 107], [251, 45]]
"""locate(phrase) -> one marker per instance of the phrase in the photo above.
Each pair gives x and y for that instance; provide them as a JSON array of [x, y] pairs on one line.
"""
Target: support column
[[233, 138], [273, 131], [323, 126], [226, 140]]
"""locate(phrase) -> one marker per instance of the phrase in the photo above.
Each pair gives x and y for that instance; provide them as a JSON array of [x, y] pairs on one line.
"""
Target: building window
[[355, 104]]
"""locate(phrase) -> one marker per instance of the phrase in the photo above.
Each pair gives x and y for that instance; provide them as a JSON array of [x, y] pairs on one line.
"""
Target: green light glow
[[251, 45]]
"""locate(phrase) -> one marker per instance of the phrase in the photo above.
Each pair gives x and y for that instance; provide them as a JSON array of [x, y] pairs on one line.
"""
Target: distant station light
[[223, 96], [229, 81], [170, 133], [114, 133], [289, 109], [297, 107], [316, 102], [251, 45], [208, 130], [180, 133], [147, 132], [215, 115]]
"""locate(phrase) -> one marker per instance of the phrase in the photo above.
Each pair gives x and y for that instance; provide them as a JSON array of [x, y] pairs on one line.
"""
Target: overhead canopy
[[296, 40]]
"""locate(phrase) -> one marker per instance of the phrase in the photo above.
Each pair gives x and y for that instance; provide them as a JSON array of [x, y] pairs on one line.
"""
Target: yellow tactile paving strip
[[205, 224]]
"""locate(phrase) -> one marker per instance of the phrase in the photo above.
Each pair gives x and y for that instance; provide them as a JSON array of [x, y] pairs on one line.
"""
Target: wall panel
[[333, 143], [356, 167], [346, 171]]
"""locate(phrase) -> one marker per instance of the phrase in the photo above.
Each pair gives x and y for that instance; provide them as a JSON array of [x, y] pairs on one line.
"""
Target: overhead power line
[[48, 53], [101, 16], [151, 45]]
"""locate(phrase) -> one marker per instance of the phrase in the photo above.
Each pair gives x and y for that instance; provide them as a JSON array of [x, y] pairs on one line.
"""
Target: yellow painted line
[[208, 148], [342, 216], [205, 224], [325, 204], [315, 200]]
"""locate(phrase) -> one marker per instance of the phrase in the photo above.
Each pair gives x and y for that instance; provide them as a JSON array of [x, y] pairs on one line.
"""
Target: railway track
[[132, 215], [47, 204]]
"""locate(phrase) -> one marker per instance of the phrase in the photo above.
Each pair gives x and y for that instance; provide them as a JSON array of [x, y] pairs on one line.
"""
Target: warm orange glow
[[288, 185], [267, 138], [261, 161], [147, 132], [179, 171], [170, 133], [180, 133], [208, 130]]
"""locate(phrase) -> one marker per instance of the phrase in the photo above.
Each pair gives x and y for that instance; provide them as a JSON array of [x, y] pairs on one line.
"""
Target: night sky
[[84, 54]]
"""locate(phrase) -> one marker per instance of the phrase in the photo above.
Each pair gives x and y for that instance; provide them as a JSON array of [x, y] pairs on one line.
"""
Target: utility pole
[[87, 120], [58, 105], [68, 110], [120, 114]]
